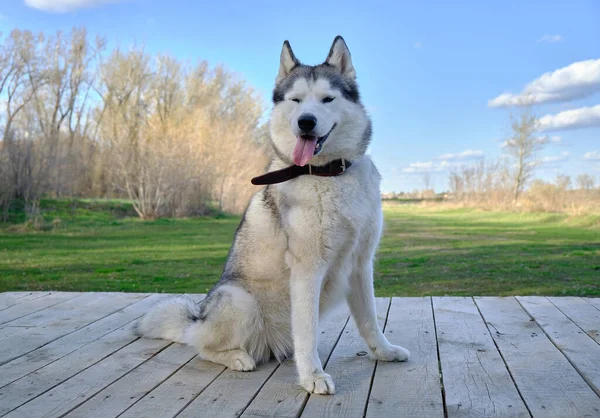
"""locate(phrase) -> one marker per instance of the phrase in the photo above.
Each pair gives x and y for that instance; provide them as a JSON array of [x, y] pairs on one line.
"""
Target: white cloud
[[443, 162], [555, 158], [584, 117], [419, 167], [545, 139], [428, 166], [550, 39], [465, 155], [62, 6], [575, 81], [418, 45], [592, 155]]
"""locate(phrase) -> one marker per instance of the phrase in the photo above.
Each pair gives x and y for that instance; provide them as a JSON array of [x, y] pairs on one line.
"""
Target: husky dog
[[306, 241]]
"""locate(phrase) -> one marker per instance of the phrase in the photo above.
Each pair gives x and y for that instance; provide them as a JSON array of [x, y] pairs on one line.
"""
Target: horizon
[[439, 82]]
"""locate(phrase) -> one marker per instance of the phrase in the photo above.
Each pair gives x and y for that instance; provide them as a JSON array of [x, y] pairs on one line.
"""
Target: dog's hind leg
[[229, 330]]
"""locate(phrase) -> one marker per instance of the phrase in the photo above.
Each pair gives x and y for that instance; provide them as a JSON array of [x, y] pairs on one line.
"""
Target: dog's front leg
[[361, 300], [305, 292]]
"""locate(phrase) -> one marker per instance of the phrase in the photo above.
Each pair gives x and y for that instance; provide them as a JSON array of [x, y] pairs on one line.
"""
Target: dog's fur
[[302, 245]]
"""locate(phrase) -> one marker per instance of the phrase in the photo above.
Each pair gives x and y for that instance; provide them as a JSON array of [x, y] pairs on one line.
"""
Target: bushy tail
[[168, 320]]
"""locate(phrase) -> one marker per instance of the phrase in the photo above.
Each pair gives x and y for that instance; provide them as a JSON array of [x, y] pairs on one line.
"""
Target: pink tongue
[[304, 149]]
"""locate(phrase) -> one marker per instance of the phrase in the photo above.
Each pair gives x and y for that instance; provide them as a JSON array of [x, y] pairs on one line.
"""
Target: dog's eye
[[328, 99], [295, 100]]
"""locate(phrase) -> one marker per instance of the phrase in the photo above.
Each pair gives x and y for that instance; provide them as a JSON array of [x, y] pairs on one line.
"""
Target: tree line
[[509, 182], [80, 120]]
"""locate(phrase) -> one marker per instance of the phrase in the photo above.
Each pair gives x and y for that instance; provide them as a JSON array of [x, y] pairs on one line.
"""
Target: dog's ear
[[339, 57], [287, 61]]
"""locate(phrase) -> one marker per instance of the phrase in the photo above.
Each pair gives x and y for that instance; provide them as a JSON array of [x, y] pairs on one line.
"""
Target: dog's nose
[[307, 122]]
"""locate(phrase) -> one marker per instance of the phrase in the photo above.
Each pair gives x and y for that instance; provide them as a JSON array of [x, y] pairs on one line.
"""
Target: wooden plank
[[176, 392], [593, 301], [96, 365], [38, 318], [116, 398], [77, 389], [22, 366], [61, 320], [351, 373], [28, 308], [476, 381], [9, 299], [230, 393], [581, 350], [34, 384], [281, 395], [580, 311], [410, 389], [47, 314], [550, 386]]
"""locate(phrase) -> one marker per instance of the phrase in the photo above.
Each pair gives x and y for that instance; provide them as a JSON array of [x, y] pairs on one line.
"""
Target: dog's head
[[317, 115]]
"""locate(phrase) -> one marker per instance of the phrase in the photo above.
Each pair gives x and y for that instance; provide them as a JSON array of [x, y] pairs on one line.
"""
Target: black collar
[[334, 168]]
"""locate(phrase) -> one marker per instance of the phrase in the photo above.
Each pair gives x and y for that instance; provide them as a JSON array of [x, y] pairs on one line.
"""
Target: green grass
[[437, 251], [101, 246]]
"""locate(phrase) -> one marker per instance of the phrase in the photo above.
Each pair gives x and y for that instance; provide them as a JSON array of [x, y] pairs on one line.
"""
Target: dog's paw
[[318, 383], [242, 362], [392, 353]]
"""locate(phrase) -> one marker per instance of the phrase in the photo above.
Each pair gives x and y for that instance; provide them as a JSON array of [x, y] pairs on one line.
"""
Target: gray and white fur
[[303, 245]]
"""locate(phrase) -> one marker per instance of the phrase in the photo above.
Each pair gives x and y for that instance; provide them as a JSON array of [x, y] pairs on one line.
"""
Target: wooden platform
[[73, 354]]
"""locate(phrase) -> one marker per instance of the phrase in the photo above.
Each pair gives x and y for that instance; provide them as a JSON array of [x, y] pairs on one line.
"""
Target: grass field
[[100, 246]]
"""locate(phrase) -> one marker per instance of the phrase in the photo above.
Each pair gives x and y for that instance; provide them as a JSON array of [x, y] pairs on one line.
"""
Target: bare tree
[[125, 85], [523, 147], [563, 182], [14, 54], [170, 137], [19, 144], [61, 103], [482, 184], [426, 180], [180, 137], [585, 182], [456, 184]]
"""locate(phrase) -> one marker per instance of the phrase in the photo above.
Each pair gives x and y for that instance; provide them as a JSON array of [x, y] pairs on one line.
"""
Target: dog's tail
[[169, 320]]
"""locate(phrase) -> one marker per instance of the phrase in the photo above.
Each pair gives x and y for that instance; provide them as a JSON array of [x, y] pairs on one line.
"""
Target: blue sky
[[427, 69]]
